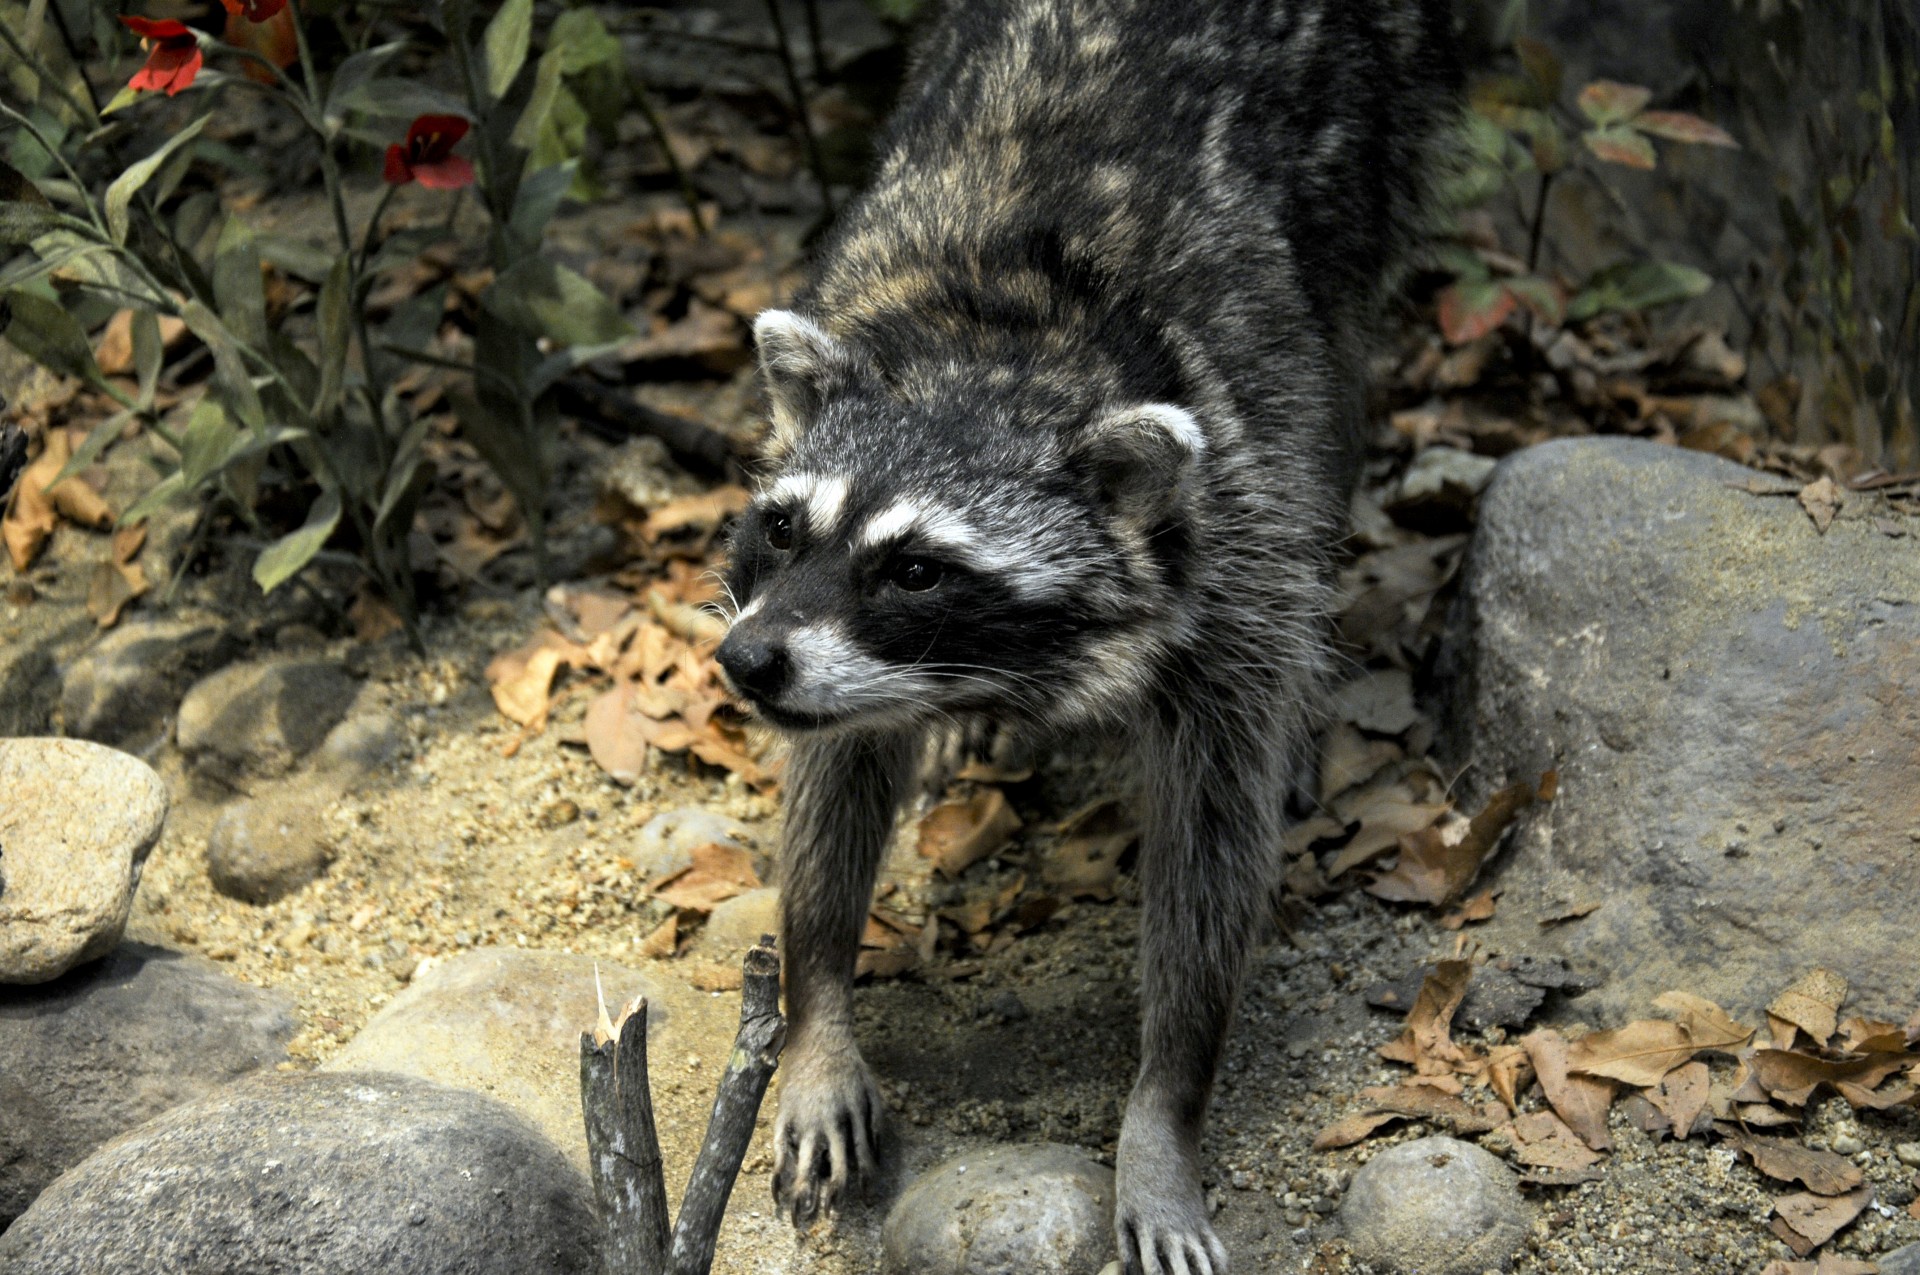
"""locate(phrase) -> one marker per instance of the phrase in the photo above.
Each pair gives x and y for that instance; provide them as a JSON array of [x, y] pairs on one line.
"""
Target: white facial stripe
[[749, 609], [942, 527], [833, 675], [822, 496]]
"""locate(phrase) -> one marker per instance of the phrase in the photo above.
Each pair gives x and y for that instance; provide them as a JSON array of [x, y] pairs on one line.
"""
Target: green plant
[[307, 407], [1518, 128]]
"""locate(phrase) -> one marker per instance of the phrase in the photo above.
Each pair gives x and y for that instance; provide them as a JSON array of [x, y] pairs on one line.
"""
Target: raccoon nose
[[758, 666]]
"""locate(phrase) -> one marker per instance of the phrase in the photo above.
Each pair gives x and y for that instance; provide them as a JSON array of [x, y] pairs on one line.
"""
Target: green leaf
[[335, 315], [416, 321], [164, 492], [583, 41], [542, 297], [1472, 308], [204, 446], [355, 72], [547, 83], [237, 289], [229, 369], [507, 39], [504, 445], [1611, 102], [282, 560], [539, 198], [1619, 144], [40, 328], [1542, 65], [406, 481], [149, 352], [306, 262], [400, 100], [1541, 296], [97, 440], [1637, 285], [126, 185]]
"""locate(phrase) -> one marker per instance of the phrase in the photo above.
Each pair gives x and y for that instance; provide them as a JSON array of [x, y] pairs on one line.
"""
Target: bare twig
[[818, 41], [701, 451], [624, 1147], [814, 159], [736, 1104]]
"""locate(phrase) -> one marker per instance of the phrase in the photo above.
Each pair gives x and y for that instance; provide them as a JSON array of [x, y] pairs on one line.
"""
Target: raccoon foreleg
[[841, 795], [1209, 855]]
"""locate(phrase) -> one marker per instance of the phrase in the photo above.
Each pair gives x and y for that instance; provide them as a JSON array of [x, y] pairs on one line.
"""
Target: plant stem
[[373, 222], [80, 187], [815, 39], [644, 101], [1534, 233], [814, 158], [46, 75]]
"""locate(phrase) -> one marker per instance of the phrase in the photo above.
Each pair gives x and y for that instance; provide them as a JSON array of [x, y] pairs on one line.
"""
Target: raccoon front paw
[[824, 1138], [1160, 1221]]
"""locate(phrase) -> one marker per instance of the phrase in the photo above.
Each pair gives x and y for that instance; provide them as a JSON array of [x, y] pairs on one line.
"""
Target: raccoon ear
[[798, 361], [1143, 457]]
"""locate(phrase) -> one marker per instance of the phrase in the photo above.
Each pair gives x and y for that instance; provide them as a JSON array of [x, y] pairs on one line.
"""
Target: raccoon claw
[[823, 1141], [1168, 1246]]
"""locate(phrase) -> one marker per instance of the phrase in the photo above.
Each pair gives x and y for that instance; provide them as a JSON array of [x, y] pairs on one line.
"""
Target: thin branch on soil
[[623, 1144], [703, 452]]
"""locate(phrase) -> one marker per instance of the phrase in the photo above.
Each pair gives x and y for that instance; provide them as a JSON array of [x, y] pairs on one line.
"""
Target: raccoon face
[[966, 549]]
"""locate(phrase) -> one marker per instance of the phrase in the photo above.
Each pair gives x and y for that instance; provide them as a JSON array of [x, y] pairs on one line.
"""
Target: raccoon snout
[[758, 667]]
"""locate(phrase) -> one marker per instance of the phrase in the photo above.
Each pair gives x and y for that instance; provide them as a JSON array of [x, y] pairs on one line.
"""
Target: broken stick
[[624, 1146]]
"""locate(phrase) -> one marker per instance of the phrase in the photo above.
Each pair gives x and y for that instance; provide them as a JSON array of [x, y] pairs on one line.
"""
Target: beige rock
[[738, 923], [506, 1022], [77, 821]]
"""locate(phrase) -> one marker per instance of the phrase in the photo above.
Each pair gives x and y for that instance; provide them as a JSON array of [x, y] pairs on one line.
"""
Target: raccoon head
[[941, 545]]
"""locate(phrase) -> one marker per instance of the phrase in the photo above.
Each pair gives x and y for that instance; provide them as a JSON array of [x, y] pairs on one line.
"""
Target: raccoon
[[1062, 436]]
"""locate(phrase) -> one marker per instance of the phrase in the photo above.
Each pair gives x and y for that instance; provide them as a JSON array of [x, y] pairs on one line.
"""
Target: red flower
[[428, 154], [254, 10], [173, 55]]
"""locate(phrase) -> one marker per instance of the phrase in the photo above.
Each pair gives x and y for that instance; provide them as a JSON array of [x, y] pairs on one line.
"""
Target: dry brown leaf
[[35, 511], [521, 680], [1582, 1101], [1425, 1102], [111, 587], [1570, 912], [1898, 1094], [1508, 1070], [1385, 812], [1785, 1160], [1433, 871], [955, 835], [1350, 758], [618, 746], [1871, 1036], [1822, 500], [695, 517], [715, 976], [1542, 1140], [1813, 1003], [1086, 862], [1818, 1218], [888, 963], [686, 621], [1426, 1042], [1708, 1026], [1681, 1097], [1348, 1130], [718, 872], [1792, 1078], [1638, 1054], [665, 938], [1476, 909]]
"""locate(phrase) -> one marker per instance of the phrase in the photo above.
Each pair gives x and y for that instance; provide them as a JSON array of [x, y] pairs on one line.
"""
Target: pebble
[[1847, 1144], [264, 848], [113, 1044], [738, 923], [317, 1172], [666, 842], [262, 717], [363, 743], [506, 1022], [77, 822], [1904, 1260], [1015, 1210], [124, 688], [1436, 1206], [1908, 1153]]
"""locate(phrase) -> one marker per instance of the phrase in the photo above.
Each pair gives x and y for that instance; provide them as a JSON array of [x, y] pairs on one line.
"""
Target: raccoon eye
[[915, 575], [780, 531]]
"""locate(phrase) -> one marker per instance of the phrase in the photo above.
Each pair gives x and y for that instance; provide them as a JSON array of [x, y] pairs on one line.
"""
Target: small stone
[[1437, 1206], [1908, 1153], [262, 717], [667, 841], [77, 822], [506, 1022], [1036, 1210], [1904, 1260], [124, 688], [1006, 1007], [317, 1172], [265, 848], [111, 1045], [363, 743], [738, 923], [1847, 1144]]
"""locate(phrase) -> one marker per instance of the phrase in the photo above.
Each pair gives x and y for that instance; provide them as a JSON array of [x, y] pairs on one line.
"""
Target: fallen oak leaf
[[1086, 862], [1681, 1096], [1709, 1026], [1639, 1054], [1582, 1101], [1471, 911], [1348, 1130], [1433, 871], [35, 509], [1813, 1002], [955, 835], [1424, 1102], [718, 872], [1818, 1218], [1426, 1042], [1543, 1141], [1792, 1077], [1822, 500], [1785, 1160]]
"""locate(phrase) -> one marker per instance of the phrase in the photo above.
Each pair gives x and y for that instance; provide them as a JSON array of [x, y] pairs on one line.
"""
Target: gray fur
[[1091, 349]]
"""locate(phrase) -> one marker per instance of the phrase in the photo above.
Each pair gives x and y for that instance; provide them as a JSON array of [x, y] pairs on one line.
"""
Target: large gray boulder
[[113, 1044], [1732, 702], [77, 821], [506, 1022], [316, 1174]]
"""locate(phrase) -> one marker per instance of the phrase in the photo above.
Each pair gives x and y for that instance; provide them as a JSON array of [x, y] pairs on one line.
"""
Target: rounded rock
[[1435, 1206], [316, 1172], [1904, 1260], [666, 842], [262, 717], [738, 923], [76, 825], [1035, 1210], [265, 848], [124, 687], [110, 1045]]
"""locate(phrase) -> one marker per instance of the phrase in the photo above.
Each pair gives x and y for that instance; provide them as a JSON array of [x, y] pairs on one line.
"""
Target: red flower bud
[[173, 55], [427, 155]]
